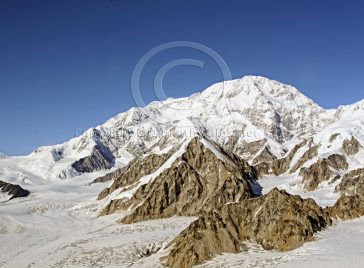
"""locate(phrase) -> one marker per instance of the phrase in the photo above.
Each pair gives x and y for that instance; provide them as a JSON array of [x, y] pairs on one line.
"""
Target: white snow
[[324, 195], [246, 107], [4, 197], [57, 226]]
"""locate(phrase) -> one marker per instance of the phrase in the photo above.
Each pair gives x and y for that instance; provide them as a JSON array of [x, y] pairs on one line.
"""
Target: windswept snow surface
[[324, 195], [57, 226]]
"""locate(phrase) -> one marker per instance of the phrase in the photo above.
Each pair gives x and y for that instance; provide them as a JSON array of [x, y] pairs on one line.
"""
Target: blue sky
[[66, 65]]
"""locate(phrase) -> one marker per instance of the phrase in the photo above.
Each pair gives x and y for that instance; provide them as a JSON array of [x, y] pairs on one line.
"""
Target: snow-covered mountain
[[265, 122], [2, 155], [254, 117], [205, 159], [318, 164]]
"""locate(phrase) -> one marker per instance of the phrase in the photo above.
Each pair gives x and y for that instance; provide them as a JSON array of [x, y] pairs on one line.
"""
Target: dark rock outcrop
[[134, 171], [334, 136], [352, 183], [101, 158], [13, 190], [280, 166], [277, 220], [322, 170], [351, 203], [348, 207], [351, 147], [308, 155], [196, 181], [264, 156]]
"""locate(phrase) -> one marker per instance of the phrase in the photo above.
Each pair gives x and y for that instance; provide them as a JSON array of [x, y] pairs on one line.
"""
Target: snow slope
[[243, 110], [57, 227]]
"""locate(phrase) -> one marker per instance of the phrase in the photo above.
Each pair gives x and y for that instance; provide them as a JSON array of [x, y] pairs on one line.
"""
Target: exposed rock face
[[352, 183], [322, 170], [351, 203], [134, 171], [279, 166], [348, 207], [196, 181], [263, 168], [277, 220], [351, 147], [258, 150], [265, 156], [246, 150], [100, 158], [308, 155], [334, 136], [13, 190]]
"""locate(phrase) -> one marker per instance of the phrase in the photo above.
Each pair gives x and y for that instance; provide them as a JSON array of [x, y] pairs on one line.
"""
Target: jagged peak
[[258, 86], [249, 86]]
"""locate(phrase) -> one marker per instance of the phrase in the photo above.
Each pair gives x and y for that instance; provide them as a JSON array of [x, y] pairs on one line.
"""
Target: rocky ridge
[[197, 179], [323, 170], [351, 203], [13, 190], [276, 220], [316, 160]]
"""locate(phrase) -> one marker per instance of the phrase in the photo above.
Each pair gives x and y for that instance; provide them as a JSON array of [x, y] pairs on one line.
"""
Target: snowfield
[[324, 195], [57, 226]]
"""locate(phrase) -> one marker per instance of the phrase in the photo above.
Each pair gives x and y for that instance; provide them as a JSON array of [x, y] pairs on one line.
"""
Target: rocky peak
[[323, 170], [351, 202], [12, 190], [197, 177], [276, 220]]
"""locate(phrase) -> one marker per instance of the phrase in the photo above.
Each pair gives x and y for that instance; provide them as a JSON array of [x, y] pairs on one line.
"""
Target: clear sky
[[65, 65]]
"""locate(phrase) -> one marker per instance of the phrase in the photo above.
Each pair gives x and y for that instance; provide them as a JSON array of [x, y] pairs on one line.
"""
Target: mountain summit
[[257, 118]]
